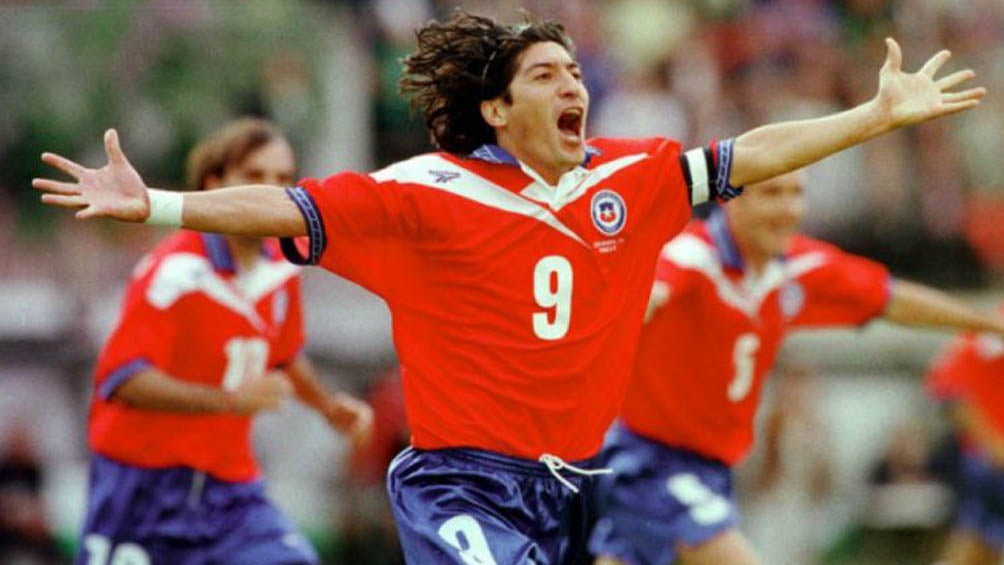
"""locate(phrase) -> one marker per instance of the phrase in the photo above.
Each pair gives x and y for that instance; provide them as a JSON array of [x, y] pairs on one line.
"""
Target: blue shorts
[[981, 500], [468, 506], [179, 516], [658, 498]]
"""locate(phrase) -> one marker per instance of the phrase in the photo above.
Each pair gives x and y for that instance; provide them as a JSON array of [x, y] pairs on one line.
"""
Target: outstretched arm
[[117, 191], [902, 99], [913, 304]]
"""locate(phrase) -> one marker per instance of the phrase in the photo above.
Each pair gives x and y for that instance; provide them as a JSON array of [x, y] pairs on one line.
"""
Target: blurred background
[[846, 415]]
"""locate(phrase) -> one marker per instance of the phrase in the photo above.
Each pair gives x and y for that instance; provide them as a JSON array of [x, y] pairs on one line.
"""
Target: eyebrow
[[551, 65]]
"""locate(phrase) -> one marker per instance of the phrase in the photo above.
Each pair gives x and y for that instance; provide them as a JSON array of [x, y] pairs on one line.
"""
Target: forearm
[[912, 304], [253, 210], [155, 390], [307, 385], [775, 149]]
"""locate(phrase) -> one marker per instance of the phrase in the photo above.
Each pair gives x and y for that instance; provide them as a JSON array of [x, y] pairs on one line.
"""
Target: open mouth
[[570, 123]]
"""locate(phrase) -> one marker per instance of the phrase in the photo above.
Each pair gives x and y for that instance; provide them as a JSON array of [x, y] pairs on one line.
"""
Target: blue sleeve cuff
[[119, 376], [315, 230], [724, 190]]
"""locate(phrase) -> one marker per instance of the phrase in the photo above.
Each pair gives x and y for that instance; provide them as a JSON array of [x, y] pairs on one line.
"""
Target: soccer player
[[516, 263], [211, 333], [967, 377], [726, 292]]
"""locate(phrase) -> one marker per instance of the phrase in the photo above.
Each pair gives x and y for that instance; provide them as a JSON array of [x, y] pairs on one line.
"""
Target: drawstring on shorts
[[555, 464]]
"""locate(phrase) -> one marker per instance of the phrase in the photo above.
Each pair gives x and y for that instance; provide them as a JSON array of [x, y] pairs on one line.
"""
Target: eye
[[542, 76]]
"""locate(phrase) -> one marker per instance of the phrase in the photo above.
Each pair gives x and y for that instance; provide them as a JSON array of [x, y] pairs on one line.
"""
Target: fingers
[[933, 64], [55, 187], [964, 96], [63, 164], [113, 149], [64, 200], [956, 107], [954, 79], [894, 57]]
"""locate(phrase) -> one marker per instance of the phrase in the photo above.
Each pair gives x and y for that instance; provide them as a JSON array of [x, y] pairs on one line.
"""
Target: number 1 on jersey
[[245, 356], [552, 289]]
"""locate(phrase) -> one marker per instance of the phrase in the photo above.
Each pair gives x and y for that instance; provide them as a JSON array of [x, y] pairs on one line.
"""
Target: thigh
[[728, 547], [248, 529], [981, 506], [137, 516], [964, 548], [657, 501], [452, 511]]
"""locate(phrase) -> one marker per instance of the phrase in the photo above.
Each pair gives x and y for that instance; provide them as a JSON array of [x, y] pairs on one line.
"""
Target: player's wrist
[[165, 207], [229, 402]]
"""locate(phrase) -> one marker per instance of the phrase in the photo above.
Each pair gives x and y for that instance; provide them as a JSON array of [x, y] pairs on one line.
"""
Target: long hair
[[226, 147], [462, 62]]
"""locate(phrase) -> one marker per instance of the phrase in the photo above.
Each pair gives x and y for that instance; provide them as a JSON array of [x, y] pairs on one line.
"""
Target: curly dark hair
[[462, 62]]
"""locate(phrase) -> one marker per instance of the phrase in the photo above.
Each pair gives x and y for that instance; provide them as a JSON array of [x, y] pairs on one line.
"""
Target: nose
[[571, 86]]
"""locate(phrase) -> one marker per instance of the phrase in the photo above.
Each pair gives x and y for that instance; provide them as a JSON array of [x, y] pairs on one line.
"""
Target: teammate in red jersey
[[211, 332], [516, 263], [967, 377], [726, 292]]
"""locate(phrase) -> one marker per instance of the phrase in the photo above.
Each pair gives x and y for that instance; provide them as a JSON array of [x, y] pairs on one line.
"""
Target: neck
[[549, 173], [753, 257], [245, 250]]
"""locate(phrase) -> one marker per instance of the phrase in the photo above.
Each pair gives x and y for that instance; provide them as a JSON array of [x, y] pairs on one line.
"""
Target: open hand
[[909, 98], [350, 416], [114, 191]]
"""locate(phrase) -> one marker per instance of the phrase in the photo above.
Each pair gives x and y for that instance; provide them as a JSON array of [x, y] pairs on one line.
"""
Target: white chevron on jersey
[[180, 274], [691, 252], [263, 278], [575, 183], [464, 183]]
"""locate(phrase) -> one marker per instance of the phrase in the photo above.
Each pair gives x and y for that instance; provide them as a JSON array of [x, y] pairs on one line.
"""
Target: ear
[[494, 112]]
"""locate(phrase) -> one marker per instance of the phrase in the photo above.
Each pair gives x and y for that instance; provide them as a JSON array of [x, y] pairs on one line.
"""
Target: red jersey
[[704, 355], [188, 313], [514, 304], [970, 369]]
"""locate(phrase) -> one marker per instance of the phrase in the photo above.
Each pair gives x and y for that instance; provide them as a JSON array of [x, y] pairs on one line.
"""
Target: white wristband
[[165, 208]]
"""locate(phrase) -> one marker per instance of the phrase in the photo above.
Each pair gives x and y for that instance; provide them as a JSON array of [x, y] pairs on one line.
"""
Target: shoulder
[[425, 169], [181, 241], [692, 249], [802, 244], [808, 254], [174, 274], [611, 149]]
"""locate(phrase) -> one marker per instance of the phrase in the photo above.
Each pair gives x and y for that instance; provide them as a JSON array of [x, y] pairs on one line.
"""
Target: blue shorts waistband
[[499, 461]]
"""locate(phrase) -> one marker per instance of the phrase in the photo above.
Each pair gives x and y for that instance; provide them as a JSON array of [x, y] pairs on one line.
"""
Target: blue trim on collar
[[492, 153], [219, 253], [220, 256], [721, 235]]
